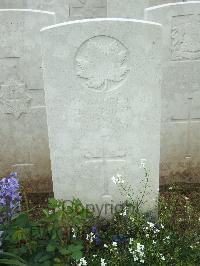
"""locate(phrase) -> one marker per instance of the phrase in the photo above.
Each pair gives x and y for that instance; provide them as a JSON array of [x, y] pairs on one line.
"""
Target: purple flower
[[97, 238], [9, 195]]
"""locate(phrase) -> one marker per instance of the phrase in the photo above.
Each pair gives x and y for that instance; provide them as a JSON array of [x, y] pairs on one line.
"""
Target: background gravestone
[[126, 8], [60, 7], [103, 103], [64, 9], [12, 4], [180, 138], [23, 134], [150, 3], [80, 9]]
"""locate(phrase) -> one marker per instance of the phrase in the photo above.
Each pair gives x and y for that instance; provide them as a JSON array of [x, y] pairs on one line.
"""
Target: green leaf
[[7, 254], [11, 262], [77, 255], [51, 247]]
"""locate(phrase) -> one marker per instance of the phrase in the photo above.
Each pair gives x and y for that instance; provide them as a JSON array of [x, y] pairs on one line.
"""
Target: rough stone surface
[[23, 134], [126, 9], [151, 3], [60, 7], [81, 9], [102, 84], [180, 138], [65, 9]]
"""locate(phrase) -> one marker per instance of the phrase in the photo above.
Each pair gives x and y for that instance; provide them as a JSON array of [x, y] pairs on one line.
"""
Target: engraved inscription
[[14, 99], [11, 35], [185, 37], [102, 63], [88, 8]]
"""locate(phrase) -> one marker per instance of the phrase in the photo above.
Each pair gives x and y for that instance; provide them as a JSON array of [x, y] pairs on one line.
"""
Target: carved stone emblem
[[102, 63], [14, 99], [185, 37]]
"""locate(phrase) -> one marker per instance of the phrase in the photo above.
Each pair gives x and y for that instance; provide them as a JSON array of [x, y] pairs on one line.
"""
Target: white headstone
[[180, 138], [103, 106], [126, 9], [60, 7], [151, 3], [82, 9], [65, 10], [23, 134], [4, 4]]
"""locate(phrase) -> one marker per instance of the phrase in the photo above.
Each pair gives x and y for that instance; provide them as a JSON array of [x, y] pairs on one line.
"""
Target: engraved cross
[[189, 120], [104, 159]]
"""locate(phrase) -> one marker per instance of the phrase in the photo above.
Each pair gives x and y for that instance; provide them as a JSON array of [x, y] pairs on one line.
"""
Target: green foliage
[[71, 235], [47, 241]]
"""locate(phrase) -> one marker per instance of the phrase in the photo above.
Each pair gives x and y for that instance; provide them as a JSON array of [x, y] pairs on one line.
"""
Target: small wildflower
[[114, 244], [90, 237], [118, 180], [83, 262], [103, 262], [74, 233], [143, 163], [105, 246], [130, 241]]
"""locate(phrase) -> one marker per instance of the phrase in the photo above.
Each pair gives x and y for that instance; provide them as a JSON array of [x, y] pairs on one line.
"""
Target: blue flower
[[9, 195]]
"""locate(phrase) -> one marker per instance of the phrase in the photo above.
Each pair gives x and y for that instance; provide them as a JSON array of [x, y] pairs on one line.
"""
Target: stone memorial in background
[[102, 82], [82, 9], [126, 9], [151, 3], [23, 134], [180, 138], [60, 7], [64, 9]]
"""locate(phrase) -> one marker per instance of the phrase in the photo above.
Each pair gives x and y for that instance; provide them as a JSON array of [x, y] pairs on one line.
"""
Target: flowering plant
[[9, 197]]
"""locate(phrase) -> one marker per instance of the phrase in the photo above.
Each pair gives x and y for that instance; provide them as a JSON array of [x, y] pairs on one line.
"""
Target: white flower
[[162, 258], [124, 213], [162, 226], [142, 261], [74, 233], [154, 242], [140, 247], [151, 225], [90, 237], [147, 235], [105, 246], [170, 188], [130, 241], [114, 244], [83, 262], [143, 163], [94, 256], [118, 180], [103, 262]]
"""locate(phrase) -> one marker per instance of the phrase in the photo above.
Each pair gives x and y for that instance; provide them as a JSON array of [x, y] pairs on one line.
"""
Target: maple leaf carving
[[102, 63]]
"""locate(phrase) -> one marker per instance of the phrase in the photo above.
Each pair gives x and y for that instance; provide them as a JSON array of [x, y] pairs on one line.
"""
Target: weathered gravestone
[[79, 9], [180, 138], [126, 9], [151, 3], [103, 106], [23, 134], [65, 9], [12, 4], [60, 7]]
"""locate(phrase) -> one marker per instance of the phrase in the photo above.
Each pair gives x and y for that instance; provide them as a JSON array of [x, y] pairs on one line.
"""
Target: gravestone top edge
[[142, 22], [190, 3], [27, 11]]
